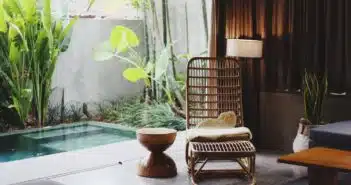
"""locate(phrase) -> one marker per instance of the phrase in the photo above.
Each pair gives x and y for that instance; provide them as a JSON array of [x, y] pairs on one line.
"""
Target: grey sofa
[[334, 135]]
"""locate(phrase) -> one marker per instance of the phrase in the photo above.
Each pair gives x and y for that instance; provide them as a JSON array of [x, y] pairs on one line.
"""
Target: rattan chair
[[214, 86]]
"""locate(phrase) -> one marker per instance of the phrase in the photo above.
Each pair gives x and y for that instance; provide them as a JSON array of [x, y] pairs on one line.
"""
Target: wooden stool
[[157, 164]]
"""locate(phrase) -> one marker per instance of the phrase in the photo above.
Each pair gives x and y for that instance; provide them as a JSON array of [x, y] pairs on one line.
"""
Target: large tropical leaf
[[58, 28], [29, 7], [46, 16], [65, 31], [52, 66], [13, 8], [134, 74], [91, 3], [3, 25], [162, 63], [122, 38], [47, 21], [14, 32], [14, 54], [42, 49]]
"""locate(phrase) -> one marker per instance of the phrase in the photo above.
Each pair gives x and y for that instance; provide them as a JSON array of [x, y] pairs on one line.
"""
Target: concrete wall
[[118, 9], [196, 30], [280, 114], [85, 80], [82, 78]]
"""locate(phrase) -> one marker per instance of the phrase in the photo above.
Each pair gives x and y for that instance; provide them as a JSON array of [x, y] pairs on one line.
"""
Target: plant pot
[[301, 142]]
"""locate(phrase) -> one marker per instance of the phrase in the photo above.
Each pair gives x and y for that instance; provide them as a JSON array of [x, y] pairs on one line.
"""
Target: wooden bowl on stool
[[157, 164]]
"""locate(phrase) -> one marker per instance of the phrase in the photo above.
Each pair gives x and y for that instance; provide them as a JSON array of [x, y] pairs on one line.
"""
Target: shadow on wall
[[85, 80]]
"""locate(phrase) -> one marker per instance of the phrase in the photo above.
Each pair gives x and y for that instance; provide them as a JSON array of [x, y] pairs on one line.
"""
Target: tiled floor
[[120, 174], [102, 166]]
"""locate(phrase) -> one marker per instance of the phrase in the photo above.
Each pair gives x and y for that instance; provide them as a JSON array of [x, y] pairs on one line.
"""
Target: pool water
[[61, 139]]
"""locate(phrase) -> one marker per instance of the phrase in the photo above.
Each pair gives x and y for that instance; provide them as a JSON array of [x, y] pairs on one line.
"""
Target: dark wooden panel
[[280, 113]]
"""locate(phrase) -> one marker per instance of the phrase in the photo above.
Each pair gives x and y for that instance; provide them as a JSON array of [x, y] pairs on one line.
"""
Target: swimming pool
[[62, 138]]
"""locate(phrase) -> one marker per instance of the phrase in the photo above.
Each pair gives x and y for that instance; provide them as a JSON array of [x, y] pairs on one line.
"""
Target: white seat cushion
[[211, 133]]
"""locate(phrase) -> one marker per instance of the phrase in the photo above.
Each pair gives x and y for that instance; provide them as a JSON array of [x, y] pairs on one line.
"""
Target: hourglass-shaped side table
[[157, 164]]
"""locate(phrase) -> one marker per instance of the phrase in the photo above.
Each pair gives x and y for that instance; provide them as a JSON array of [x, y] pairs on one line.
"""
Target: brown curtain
[[297, 34], [214, 29]]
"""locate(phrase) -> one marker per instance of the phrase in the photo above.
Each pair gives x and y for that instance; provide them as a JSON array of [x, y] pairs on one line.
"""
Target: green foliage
[[161, 115], [314, 92], [91, 3], [132, 112], [75, 112], [31, 41], [134, 74], [14, 66], [111, 110], [123, 40], [53, 115], [140, 4], [181, 82], [72, 112]]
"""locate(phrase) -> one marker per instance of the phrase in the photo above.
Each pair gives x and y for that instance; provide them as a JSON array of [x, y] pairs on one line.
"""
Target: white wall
[[85, 80]]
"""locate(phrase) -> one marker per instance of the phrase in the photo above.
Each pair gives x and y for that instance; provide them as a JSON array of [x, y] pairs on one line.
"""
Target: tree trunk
[[177, 111], [62, 114], [147, 90], [167, 39], [168, 27], [164, 21], [187, 28], [155, 32], [204, 16]]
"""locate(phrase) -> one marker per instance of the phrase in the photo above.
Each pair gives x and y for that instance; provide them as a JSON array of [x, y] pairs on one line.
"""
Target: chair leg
[[187, 156], [253, 170], [192, 164], [187, 152]]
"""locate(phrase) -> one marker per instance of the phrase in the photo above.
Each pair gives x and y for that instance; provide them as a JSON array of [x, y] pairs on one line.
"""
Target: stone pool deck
[[115, 164]]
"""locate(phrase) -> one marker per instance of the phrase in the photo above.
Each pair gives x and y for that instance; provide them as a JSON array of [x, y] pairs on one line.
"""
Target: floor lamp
[[244, 50]]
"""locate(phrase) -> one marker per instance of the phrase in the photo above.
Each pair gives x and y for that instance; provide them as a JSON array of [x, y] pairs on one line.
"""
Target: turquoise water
[[56, 140]]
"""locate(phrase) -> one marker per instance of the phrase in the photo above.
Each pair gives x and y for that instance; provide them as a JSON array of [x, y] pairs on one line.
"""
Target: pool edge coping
[[93, 123]]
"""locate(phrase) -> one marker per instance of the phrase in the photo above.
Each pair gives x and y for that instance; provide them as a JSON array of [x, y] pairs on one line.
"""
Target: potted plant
[[315, 87]]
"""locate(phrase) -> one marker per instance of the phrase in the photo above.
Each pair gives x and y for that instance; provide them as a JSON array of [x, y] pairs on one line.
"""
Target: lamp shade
[[244, 48]]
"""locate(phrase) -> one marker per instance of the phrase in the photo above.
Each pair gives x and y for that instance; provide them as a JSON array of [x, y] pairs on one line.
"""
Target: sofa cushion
[[334, 135], [218, 134]]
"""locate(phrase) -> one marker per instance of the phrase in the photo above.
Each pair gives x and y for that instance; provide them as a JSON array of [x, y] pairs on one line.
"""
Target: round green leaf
[[122, 38], [134, 74]]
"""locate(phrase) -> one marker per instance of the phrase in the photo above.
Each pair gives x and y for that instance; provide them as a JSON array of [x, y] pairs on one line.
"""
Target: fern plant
[[315, 88]]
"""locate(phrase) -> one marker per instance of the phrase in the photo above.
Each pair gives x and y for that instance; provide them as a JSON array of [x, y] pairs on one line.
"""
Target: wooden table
[[323, 164], [157, 164]]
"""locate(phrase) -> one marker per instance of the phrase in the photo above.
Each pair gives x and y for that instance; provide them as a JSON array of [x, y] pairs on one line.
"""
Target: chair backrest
[[213, 86]]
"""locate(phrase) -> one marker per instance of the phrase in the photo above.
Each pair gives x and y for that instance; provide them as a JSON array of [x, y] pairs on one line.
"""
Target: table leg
[[322, 176]]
